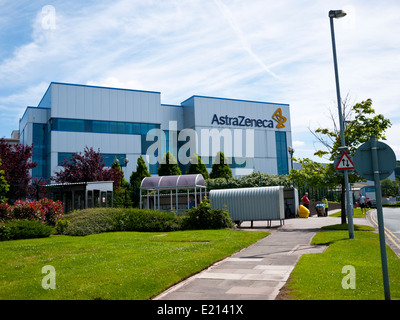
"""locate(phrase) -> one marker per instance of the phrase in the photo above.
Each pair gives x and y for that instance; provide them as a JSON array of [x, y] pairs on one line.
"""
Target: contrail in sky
[[228, 16]]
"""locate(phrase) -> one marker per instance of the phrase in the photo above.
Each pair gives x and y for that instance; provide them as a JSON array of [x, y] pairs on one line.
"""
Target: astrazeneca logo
[[242, 121]]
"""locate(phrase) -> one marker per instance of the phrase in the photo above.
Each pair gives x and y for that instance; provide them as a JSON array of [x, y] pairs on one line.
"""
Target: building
[[14, 137], [125, 124]]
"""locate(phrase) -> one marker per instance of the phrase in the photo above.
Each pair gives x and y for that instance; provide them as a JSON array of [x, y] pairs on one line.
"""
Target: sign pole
[[381, 227], [349, 205]]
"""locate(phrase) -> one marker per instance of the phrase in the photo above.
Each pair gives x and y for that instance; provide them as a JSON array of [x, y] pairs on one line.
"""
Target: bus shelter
[[161, 199], [82, 195]]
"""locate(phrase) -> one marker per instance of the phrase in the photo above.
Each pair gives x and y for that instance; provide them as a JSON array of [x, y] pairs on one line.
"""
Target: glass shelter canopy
[[194, 184]]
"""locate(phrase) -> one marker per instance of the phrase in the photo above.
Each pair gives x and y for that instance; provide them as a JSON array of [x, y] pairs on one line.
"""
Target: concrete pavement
[[259, 271]]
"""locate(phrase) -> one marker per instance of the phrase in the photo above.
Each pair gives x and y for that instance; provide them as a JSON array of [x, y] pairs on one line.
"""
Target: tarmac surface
[[259, 271]]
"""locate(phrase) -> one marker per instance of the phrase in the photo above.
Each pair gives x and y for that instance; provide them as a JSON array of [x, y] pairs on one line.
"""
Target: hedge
[[97, 220]]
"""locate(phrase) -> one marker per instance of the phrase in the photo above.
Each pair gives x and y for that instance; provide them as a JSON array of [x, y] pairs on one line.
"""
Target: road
[[391, 217]]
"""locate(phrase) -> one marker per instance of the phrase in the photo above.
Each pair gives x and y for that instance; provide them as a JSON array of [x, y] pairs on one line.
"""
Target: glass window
[[75, 125], [100, 126], [281, 152], [63, 156]]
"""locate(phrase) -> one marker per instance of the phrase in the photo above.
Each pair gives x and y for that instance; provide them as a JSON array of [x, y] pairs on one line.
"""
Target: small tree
[[220, 168], [361, 122], [4, 186], [121, 198], [197, 166], [85, 167], [16, 163], [136, 179], [169, 166]]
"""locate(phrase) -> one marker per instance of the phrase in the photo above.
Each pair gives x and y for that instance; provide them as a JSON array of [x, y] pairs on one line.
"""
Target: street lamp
[[349, 207]]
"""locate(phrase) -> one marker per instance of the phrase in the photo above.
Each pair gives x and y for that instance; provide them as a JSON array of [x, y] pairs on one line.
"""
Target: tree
[[312, 174], [120, 188], [390, 188], [197, 166], [4, 186], [136, 179], [220, 168], [16, 163], [86, 167], [357, 131], [169, 166], [361, 122]]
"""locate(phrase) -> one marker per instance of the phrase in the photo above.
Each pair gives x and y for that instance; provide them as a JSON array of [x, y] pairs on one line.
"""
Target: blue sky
[[275, 51]]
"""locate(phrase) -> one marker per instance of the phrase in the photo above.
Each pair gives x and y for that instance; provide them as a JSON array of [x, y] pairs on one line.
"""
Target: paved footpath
[[259, 271]]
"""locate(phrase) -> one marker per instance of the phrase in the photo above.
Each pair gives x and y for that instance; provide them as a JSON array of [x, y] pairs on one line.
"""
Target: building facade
[[125, 124]]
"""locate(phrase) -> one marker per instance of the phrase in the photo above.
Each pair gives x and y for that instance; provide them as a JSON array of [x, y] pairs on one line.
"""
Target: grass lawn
[[319, 276], [115, 265], [357, 213]]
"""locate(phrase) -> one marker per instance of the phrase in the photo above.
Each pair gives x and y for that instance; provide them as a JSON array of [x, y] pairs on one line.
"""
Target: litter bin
[[303, 212], [320, 209]]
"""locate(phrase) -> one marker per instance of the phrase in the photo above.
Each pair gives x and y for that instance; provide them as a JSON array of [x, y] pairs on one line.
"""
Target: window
[[99, 126], [74, 125], [108, 158], [40, 141], [281, 152]]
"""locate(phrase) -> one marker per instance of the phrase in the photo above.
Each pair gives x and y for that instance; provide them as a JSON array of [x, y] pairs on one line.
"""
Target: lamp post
[[349, 207]]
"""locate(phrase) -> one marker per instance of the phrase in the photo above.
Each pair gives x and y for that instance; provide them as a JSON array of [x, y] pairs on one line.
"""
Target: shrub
[[146, 220], [52, 210], [89, 221], [203, 217], [45, 210], [5, 233], [97, 220], [31, 210], [26, 229], [5, 212], [61, 225]]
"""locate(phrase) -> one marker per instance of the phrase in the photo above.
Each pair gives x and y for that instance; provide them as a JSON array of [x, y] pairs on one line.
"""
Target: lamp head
[[336, 14]]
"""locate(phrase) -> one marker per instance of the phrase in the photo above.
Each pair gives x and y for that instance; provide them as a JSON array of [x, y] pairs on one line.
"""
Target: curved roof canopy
[[187, 181]]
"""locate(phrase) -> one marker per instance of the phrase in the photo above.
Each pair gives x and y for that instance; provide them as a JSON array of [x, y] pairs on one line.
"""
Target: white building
[[126, 123]]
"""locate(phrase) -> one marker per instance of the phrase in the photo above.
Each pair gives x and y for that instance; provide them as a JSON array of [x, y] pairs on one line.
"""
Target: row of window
[[108, 158], [100, 126]]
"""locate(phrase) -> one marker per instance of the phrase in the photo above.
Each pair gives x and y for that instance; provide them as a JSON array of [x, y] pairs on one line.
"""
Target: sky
[[261, 50]]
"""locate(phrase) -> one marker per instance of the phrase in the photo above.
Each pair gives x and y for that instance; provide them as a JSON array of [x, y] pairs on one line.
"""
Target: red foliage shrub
[[44, 210]]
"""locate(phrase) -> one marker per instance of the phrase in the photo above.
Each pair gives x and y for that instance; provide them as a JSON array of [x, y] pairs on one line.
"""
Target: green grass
[[319, 276], [357, 213], [116, 265]]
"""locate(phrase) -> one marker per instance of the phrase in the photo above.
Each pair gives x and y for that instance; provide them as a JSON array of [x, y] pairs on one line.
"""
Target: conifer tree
[[136, 179], [169, 166], [197, 166], [220, 167]]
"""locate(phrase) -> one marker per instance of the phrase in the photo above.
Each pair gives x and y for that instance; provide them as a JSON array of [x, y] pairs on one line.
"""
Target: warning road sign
[[344, 163]]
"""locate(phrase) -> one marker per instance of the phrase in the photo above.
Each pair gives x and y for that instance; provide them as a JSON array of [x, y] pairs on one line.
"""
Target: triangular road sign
[[345, 162]]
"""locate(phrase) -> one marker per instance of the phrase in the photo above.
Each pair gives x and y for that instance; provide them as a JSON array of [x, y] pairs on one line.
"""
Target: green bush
[[5, 232], [203, 217], [25, 229], [61, 225], [146, 220], [98, 220], [90, 221]]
